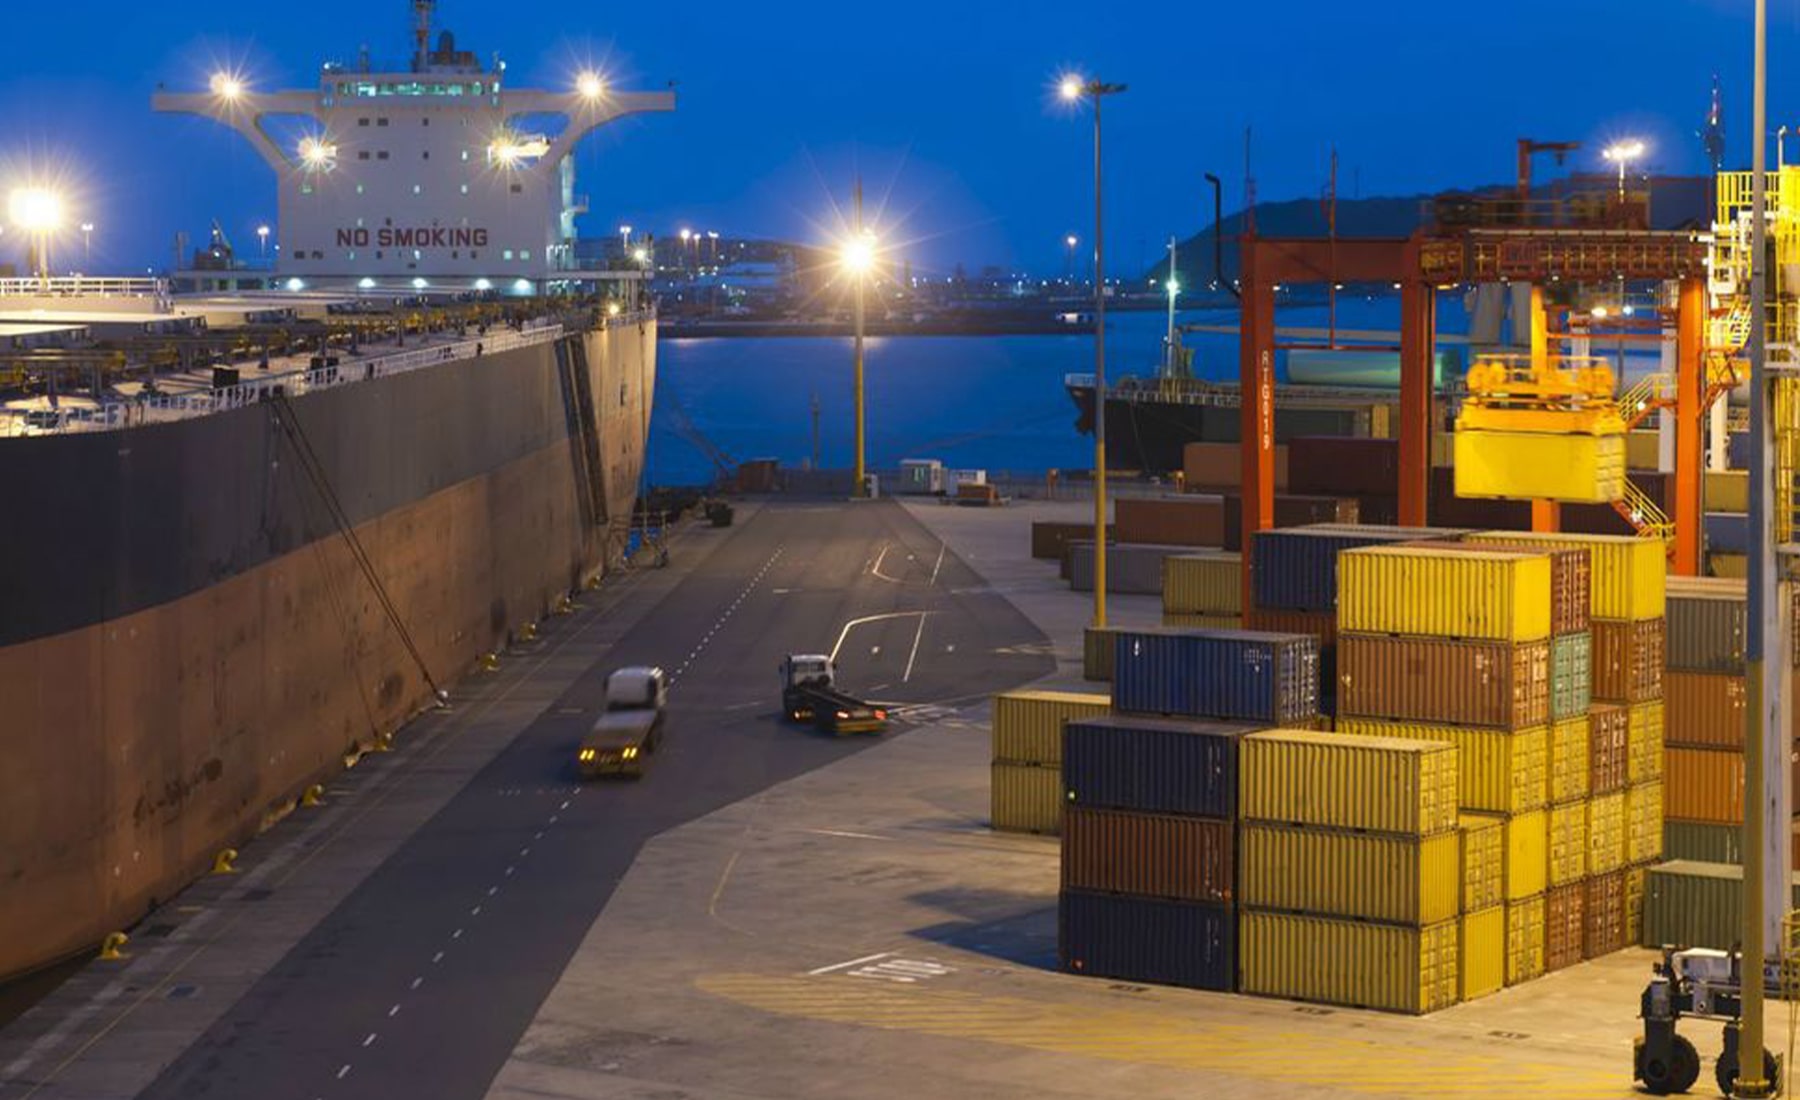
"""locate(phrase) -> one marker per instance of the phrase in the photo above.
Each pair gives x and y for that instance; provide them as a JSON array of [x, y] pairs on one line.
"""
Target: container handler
[[1704, 984], [809, 694]]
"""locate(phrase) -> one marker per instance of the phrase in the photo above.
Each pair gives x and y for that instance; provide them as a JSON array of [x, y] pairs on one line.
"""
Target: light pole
[[859, 259], [262, 243], [1622, 153], [687, 235], [87, 247], [39, 213], [1070, 242], [625, 240], [1074, 89]]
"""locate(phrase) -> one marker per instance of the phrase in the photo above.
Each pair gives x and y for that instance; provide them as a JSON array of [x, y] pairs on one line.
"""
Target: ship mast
[[422, 34]]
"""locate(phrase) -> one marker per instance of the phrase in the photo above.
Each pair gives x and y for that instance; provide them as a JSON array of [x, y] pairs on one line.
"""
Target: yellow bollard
[[111, 948], [528, 632], [225, 863], [592, 582], [313, 795], [489, 662], [384, 742], [564, 606]]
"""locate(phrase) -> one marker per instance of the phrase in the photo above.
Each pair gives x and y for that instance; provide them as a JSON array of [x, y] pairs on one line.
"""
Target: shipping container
[[1498, 595], [1571, 587], [1132, 569], [1027, 798], [1345, 962], [1050, 539], [1643, 823], [1343, 465], [1097, 648], [1499, 771], [1319, 625], [1609, 747], [1229, 674], [1175, 621], [1695, 905], [1706, 624], [1606, 834], [1704, 842], [1153, 765], [1704, 709], [1469, 683], [1627, 660], [1189, 520], [1568, 843], [1603, 915], [1644, 742], [1635, 879], [1524, 939], [1705, 785], [1726, 491], [1626, 573], [1185, 943], [1028, 724], [1483, 860], [1338, 872], [1449, 510], [1481, 943], [1526, 839], [1203, 584], [1151, 855], [1376, 783], [1726, 532], [1571, 676], [1564, 925], [1221, 465], [1292, 511], [1569, 760], [1295, 569], [1539, 465]]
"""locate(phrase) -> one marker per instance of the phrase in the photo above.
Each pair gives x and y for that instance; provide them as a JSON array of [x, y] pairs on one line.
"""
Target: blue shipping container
[[1247, 675], [1135, 939], [1153, 765], [1295, 568], [1727, 533]]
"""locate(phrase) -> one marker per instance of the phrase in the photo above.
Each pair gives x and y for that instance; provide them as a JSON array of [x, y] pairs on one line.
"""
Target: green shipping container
[[1696, 904], [1571, 675]]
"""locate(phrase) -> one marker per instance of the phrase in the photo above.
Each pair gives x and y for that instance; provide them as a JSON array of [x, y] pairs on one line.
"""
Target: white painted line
[[492, 890], [553, 818], [525, 851], [392, 1012], [417, 982], [343, 1071], [940, 562], [848, 965], [456, 935], [914, 655], [564, 806], [845, 832], [539, 835], [509, 872], [437, 958], [475, 912], [370, 1039]]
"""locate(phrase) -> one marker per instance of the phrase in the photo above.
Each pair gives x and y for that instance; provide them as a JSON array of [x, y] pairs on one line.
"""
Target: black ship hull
[[1147, 433]]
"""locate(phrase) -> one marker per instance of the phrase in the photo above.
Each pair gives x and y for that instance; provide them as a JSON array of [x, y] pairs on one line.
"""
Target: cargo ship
[[250, 534]]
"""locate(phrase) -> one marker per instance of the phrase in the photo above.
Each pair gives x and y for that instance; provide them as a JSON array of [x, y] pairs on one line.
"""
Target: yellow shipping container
[[1644, 823], [1383, 784], [1334, 872], [1209, 583], [1524, 840], [1525, 939], [1636, 878], [1570, 768], [1498, 771], [1644, 742], [1585, 469], [1028, 725], [1444, 593], [1736, 566], [1348, 962], [1483, 861], [1027, 798], [1195, 621], [1627, 574], [1727, 491], [1481, 945], [1606, 833], [1568, 843]]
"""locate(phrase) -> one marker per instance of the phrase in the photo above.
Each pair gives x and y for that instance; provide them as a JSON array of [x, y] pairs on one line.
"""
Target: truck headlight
[[631, 752], [587, 754]]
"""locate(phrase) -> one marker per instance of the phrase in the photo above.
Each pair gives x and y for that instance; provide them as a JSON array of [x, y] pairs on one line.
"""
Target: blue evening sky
[[945, 107]]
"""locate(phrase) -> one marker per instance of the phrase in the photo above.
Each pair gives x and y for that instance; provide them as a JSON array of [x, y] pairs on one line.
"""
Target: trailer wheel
[[1725, 1072], [1656, 1071], [1684, 1061]]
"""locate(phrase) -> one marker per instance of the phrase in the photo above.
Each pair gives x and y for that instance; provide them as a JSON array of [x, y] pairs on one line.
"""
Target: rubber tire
[[1725, 1073], [1685, 1063], [1658, 1075]]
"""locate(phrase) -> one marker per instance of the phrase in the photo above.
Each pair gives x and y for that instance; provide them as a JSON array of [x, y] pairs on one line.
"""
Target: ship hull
[[1148, 435], [190, 641]]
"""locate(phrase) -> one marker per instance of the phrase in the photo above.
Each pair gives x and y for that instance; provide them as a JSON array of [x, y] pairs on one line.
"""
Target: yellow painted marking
[[1161, 1037]]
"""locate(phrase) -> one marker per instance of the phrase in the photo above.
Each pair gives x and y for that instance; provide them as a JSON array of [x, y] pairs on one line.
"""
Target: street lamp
[[625, 238], [39, 212], [590, 86], [87, 246], [1622, 153], [687, 236], [858, 258], [262, 242], [227, 86], [1070, 242], [712, 246], [1073, 89]]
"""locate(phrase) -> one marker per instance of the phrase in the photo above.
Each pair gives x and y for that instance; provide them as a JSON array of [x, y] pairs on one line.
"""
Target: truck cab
[[630, 727], [800, 671], [809, 693]]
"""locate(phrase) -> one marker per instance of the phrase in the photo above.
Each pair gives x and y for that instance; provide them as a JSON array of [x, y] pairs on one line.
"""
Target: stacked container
[[1704, 714], [1351, 882], [1452, 645], [1027, 790], [1203, 590]]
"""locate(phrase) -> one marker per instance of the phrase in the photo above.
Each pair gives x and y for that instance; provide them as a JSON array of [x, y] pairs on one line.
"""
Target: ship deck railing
[[113, 415], [1225, 395]]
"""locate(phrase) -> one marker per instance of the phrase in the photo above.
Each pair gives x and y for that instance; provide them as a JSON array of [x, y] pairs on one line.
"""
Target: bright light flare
[[641, 255], [590, 85], [227, 86], [1070, 88], [315, 153], [36, 209], [858, 254], [1174, 288], [1622, 151]]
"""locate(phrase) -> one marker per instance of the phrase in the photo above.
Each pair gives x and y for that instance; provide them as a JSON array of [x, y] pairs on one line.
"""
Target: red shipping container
[[1148, 854], [1344, 466], [1193, 520], [1290, 511]]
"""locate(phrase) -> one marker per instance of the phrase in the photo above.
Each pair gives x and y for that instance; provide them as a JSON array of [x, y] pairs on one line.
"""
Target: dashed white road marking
[[370, 1040], [343, 1071], [392, 1012], [417, 982], [918, 635], [437, 958]]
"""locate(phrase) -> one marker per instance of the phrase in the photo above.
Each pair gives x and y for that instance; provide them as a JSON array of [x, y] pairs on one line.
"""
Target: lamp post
[[858, 259], [262, 243], [1069, 242], [625, 239], [687, 236], [1074, 89], [87, 247], [39, 213], [1622, 153]]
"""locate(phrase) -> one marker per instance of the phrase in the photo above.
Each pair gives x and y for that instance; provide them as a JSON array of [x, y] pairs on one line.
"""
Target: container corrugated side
[[1570, 773], [1468, 683], [1571, 591], [1627, 660], [1609, 747], [1295, 568], [1151, 855], [1695, 904], [1195, 519], [1097, 648], [1211, 583], [1345, 962], [1644, 750], [1027, 798], [1050, 539], [1703, 841], [1643, 823], [1706, 626], [1175, 620], [1568, 843], [1336, 872], [1415, 590], [1524, 939], [1380, 784], [1603, 915], [1571, 676], [1153, 765], [1627, 574], [1028, 724], [1483, 860], [1636, 879], [1704, 708], [1606, 833], [1134, 939], [1243, 675], [1498, 771], [1481, 944], [1132, 569], [1524, 847], [1564, 925], [1705, 785]]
